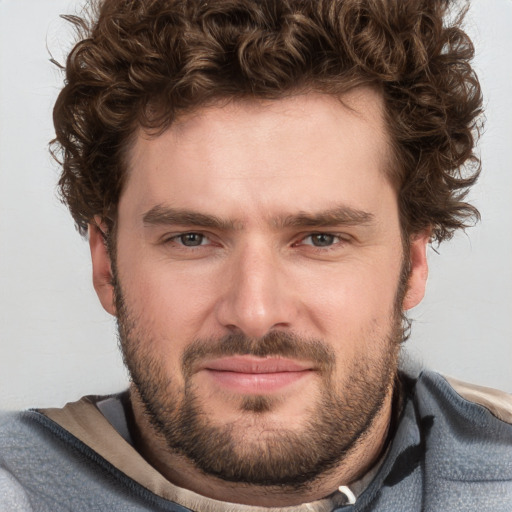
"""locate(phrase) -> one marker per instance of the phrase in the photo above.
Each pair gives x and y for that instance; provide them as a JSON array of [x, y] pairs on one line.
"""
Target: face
[[259, 281]]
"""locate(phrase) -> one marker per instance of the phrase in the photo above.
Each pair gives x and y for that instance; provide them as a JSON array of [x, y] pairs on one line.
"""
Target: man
[[259, 182]]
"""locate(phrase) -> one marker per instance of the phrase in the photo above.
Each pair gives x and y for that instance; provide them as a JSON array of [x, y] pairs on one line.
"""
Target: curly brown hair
[[143, 62]]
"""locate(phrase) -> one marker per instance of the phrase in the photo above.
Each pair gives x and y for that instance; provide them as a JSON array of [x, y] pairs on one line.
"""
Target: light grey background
[[56, 343]]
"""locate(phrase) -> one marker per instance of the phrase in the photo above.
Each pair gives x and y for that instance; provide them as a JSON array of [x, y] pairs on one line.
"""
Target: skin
[[253, 165]]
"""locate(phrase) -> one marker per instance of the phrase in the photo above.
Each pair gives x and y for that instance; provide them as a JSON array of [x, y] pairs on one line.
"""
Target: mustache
[[275, 343]]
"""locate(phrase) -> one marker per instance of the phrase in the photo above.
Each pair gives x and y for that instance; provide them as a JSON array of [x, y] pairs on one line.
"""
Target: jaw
[[182, 471]]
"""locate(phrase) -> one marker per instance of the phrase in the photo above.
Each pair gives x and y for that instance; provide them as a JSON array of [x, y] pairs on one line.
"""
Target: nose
[[257, 294]]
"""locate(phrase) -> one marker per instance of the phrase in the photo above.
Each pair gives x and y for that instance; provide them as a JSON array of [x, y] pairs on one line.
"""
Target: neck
[[182, 472]]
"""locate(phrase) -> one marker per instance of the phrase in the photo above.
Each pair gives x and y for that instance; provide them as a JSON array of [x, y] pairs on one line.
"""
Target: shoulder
[[453, 399], [43, 464], [498, 403], [13, 429], [23, 441], [37, 455], [469, 430], [464, 436], [13, 494]]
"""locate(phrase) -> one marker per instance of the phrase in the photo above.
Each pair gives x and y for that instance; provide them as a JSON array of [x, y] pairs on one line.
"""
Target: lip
[[253, 375], [251, 364]]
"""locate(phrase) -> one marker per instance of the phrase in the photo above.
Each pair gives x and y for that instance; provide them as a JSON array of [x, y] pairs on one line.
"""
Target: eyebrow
[[163, 215], [343, 215]]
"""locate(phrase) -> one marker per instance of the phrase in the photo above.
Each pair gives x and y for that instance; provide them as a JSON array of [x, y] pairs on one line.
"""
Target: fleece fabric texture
[[447, 454]]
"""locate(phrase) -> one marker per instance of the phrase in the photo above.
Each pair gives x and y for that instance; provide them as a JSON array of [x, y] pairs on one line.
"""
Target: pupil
[[322, 240], [191, 239]]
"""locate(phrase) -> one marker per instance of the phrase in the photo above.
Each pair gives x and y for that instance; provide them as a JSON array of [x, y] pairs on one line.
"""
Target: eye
[[190, 239], [320, 239]]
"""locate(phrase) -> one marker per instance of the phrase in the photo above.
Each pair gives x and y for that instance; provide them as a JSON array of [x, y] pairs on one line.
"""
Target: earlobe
[[101, 266], [418, 275]]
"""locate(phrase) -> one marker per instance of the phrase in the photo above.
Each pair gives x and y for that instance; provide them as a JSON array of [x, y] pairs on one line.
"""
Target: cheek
[[169, 303], [357, 317], [353, 296]]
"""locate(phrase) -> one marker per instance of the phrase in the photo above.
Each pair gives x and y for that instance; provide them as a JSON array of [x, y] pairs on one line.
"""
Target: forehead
[[307, 145]]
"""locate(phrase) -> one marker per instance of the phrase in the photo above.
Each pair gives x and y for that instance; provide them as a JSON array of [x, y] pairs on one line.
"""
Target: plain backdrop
[[56, 343]]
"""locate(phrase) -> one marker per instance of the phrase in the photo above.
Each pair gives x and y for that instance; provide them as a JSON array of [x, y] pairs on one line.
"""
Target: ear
[[417, 281], [101, 266]]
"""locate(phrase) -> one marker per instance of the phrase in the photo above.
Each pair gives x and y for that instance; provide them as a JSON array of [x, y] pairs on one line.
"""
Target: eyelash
[[176, 239], [337, 240]]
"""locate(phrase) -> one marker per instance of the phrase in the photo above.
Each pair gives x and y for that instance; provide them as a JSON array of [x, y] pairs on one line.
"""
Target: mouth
[[255, 375]]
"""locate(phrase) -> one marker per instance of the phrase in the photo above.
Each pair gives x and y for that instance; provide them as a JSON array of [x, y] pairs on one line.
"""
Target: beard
[[341, 414], [278, 455]]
